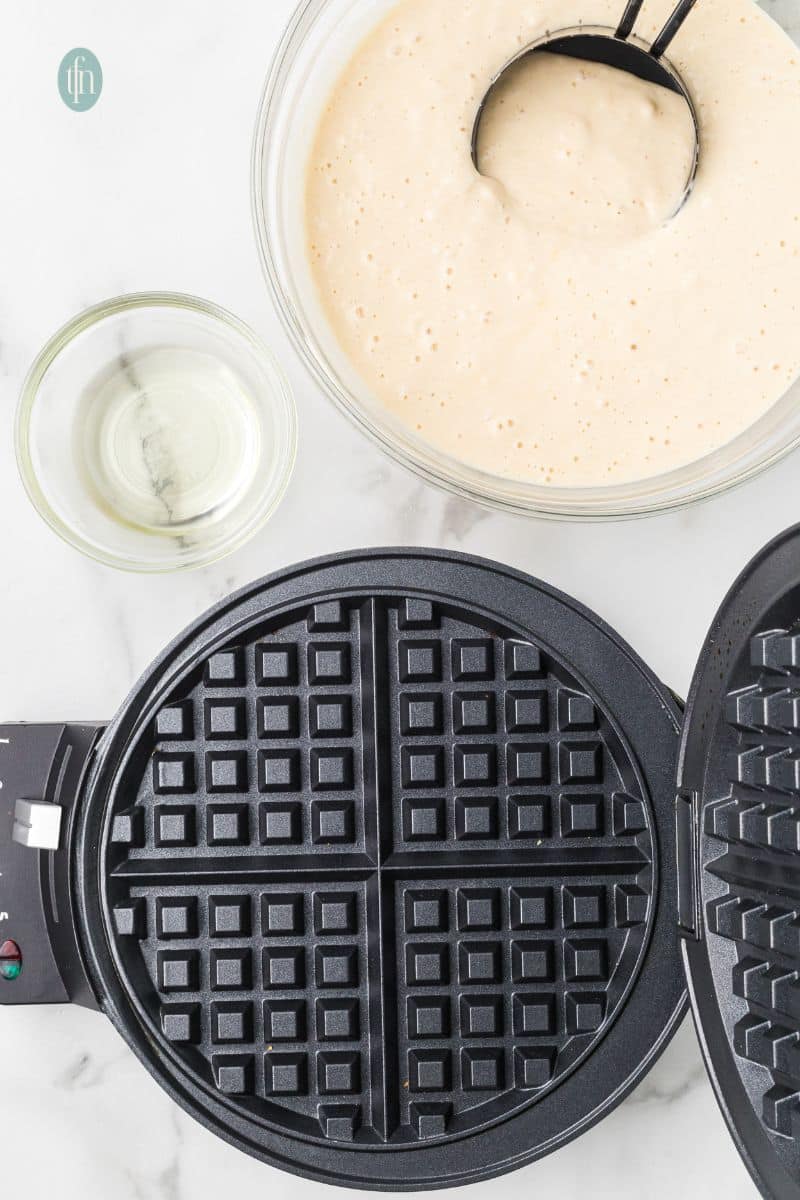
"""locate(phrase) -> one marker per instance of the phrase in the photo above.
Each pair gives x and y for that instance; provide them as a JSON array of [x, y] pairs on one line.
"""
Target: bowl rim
[[282, 401], [701, 479]]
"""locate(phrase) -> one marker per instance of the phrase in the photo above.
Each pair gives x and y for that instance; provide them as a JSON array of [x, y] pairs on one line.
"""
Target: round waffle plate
[[376, 868]]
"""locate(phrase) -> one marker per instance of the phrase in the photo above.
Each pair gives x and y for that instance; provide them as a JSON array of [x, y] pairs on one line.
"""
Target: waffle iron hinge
[[687, 832], [41, 772]]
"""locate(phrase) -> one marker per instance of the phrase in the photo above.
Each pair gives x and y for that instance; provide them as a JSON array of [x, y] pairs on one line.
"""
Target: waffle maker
[[376, 869]]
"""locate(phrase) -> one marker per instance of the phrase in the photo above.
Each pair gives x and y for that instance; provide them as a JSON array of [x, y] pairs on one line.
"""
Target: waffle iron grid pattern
[[388, 871], [760, 910]]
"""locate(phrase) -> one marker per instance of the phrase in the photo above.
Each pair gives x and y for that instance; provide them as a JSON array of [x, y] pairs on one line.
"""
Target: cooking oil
[[169, 439]]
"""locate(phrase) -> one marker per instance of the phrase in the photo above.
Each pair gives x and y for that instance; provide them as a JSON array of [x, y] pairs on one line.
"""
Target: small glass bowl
[[318, 42], [155, 432]]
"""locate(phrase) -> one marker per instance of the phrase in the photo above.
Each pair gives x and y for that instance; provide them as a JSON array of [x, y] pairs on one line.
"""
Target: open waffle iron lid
[[738, 824], [376, 869]]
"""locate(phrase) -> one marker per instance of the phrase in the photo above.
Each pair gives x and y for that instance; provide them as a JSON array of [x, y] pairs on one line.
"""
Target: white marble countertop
[[151, 190]]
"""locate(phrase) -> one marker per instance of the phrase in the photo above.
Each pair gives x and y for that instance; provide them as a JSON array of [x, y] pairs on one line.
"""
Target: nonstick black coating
[[377, 869], [740, 767]]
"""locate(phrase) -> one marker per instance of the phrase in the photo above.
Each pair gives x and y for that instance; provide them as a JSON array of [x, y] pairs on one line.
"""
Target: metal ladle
[[615, 48]]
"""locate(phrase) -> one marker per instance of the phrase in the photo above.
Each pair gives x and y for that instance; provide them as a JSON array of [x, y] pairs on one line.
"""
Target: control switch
[[37, 824]]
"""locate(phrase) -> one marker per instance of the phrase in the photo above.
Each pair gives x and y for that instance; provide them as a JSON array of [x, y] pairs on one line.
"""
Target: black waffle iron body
[[377, 870]]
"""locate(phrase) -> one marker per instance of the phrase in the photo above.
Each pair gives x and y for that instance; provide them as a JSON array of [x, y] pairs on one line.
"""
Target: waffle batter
[[550, 319]]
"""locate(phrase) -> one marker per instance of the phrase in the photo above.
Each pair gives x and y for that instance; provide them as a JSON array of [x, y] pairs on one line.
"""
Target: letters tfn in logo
[[80, 79]]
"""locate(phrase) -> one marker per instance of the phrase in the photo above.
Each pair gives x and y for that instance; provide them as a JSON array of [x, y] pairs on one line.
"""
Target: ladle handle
[[629, 18], [659, 46], [672, 26]]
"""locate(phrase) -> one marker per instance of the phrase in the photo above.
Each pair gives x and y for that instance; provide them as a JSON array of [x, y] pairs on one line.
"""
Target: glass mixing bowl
[[317, 43], [155, 432]]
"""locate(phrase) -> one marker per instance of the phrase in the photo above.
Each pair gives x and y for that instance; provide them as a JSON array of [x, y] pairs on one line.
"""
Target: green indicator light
[[10, 960]]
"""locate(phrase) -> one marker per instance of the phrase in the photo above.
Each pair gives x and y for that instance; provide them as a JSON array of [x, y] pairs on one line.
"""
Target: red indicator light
[[10, 960]]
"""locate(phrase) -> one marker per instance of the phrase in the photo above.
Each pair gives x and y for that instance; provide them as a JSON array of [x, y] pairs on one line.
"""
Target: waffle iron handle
[[42, 768]]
